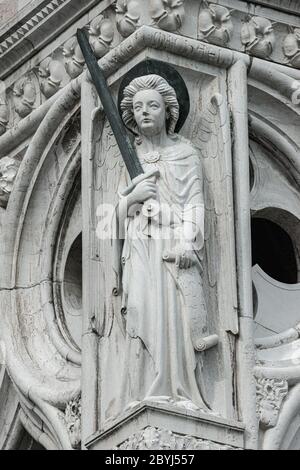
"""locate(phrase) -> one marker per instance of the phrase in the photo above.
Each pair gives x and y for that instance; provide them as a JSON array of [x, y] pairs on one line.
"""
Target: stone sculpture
[[163, 303]]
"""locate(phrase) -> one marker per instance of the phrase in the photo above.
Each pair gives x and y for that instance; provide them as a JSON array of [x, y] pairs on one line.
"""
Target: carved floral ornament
[[215, 24], [51, 74], [73, 58], [270, 396], [152, 438], [258, 37], [167, 14], [291, 48], [73, 421], [24, 96], [8, 172], [4, 115], [128, 13]]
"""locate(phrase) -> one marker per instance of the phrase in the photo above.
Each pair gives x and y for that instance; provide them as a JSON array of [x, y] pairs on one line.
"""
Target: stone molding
[[231, 28], [152, 438], [144, 37], [204, 429]]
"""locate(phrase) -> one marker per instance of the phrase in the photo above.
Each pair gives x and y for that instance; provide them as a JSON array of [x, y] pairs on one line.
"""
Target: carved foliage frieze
[[152, 438], [216, 24], [73, 421], [270, 396]]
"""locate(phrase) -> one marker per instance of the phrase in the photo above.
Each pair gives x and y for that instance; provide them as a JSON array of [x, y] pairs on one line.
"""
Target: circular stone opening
[[273, 251], [72, 291]]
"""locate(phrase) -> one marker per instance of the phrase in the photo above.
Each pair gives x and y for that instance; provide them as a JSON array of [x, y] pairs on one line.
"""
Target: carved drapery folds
[[128, 13], [215, 24], [258, 37], [167, 14]]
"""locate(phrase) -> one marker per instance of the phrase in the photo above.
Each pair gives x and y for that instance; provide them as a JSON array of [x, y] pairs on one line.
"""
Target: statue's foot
[[188, 405], [160, 399], [131, 405]]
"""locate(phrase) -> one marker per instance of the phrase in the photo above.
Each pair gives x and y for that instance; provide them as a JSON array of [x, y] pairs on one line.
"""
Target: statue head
[[149, 103]]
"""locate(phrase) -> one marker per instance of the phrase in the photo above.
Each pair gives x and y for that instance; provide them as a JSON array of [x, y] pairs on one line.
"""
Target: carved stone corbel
[[51, 75], [101, 33], [167, 14], [258, 37], [215, 24], [291, 48], [8, 172], [128, 13]]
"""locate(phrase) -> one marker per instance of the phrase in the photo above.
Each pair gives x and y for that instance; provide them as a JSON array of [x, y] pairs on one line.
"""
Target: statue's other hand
[[143, 191], [184, 257]]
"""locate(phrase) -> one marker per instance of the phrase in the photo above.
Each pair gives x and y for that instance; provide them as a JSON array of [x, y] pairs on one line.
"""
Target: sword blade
[[127, 150]]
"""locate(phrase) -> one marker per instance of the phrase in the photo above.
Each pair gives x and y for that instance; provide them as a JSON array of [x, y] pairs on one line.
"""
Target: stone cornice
[[24, 36], [41, 57], [288, 6]]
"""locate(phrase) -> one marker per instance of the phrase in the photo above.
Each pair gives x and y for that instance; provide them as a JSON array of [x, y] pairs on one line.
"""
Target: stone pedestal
[[152, 427]]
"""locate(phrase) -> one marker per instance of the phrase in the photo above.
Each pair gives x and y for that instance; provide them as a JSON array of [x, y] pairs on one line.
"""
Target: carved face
[[149, 112]]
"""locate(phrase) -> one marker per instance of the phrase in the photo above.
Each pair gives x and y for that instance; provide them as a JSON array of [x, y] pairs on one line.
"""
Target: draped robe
[[164, 306]]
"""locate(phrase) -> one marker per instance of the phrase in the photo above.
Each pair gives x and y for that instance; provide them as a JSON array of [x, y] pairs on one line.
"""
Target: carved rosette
[[152, 438], [167, 14], [270, 395], [215, 24], [73, 421], [291, 48], [128, 13], [258, 37], [8, 172]]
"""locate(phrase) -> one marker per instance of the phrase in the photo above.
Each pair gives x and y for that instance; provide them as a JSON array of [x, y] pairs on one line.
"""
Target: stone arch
[[44, 367]]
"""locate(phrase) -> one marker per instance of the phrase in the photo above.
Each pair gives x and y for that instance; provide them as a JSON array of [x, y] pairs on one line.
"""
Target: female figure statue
[[163, 303]]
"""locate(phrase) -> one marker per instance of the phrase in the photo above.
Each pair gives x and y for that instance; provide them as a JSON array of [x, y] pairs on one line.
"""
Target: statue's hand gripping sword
[[127, 150]]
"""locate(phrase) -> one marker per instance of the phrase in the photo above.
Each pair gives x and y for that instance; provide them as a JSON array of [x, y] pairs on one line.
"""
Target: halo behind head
[[153, 74]]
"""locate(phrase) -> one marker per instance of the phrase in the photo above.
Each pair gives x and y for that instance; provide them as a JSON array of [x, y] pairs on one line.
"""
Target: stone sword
[[125, 145]]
